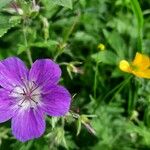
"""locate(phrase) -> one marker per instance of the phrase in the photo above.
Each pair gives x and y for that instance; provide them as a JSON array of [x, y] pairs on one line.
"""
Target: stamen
[[34, 101], [33, 85], [24, 93], [20, 105], [35, 89], [12, 91], [24, 83], [28, 95], [34, 82], [16, 92], [22, 102]]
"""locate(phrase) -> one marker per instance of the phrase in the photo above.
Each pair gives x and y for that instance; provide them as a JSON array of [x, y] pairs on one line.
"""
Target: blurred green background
[[110, 109]]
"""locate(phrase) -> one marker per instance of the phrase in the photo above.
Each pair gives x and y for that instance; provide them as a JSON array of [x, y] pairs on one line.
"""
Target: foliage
[[110, 109]]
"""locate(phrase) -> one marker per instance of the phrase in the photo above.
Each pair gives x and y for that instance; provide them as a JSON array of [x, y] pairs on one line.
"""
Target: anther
[[35, 89]]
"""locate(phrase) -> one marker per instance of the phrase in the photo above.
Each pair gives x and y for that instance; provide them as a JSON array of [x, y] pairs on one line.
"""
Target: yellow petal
[[141, 61], [142, 74], [124, 66]]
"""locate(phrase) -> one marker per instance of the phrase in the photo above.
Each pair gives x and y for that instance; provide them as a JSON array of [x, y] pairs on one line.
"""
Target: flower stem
[[122, 85], [118, 88], [27, 50], [95, 80]]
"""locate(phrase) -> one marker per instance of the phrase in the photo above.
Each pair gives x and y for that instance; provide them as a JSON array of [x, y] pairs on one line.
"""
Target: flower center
[[27, 95]]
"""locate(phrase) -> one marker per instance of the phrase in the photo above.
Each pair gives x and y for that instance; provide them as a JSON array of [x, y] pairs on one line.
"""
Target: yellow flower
[[101, 46], [140, 66]]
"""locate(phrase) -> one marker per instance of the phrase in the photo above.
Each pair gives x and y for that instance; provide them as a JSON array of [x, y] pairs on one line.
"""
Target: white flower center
[[28, 95]]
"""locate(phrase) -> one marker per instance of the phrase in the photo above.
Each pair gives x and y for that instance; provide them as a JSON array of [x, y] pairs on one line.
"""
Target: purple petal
[[56, 101], [45, 72], [5, 106], [28, 124], [12, 71]]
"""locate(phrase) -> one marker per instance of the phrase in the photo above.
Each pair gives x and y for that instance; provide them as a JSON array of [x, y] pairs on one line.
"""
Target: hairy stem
[[26, 44]]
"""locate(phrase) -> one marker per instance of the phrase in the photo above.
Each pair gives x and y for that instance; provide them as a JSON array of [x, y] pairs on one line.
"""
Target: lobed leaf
[[8, 22]]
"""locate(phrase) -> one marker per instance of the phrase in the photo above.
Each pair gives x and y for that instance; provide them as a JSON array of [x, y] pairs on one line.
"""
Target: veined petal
[[45, 72], [28, 124], [56, 100], [12, 71], [5, 106]]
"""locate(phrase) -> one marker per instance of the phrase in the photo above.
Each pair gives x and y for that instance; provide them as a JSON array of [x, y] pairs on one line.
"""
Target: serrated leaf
[[64, 3], [3, 3], [106, 57], [7, 22]]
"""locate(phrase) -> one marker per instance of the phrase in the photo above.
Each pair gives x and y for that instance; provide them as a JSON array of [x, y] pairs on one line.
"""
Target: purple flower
[[27, 96]]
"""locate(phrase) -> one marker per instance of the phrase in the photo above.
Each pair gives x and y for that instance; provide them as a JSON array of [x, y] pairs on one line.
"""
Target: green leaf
[[21, 49], [3, 3], [106, 57], [116, 42], [139, 17], [7, 22], [64, 3], [138, 12]]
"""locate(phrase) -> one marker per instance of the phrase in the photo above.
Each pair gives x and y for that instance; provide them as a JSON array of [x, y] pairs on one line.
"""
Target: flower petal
[[5, 106], [44, 72], [125, 66], [12, 71], [142, 74], [142, 61], [56, 100], [28, 124]]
